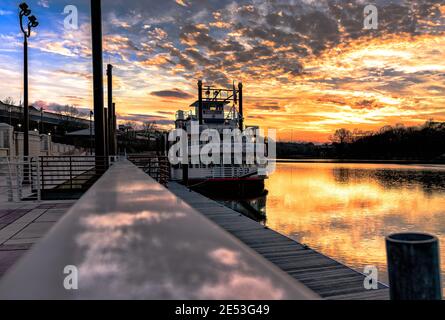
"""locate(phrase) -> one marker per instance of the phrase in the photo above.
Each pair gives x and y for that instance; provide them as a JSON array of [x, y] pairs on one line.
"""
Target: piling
[[413, 266]]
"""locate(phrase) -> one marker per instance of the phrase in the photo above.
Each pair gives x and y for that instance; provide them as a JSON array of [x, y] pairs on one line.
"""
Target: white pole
[[19, 181], [9, 182]]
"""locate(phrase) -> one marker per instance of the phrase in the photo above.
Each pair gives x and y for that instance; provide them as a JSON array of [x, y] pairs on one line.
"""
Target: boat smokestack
[[200, 102], [240, 105]]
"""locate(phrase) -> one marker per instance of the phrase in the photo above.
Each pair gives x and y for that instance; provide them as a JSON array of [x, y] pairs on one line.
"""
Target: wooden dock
[[327, 277]]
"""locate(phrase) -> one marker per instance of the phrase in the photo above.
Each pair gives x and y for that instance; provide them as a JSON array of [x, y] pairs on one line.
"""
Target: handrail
[[129, 237], [48, 174]]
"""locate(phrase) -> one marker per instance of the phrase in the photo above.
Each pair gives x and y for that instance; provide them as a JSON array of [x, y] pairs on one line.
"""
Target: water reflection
[[254, 208], [430, 180], [346, 210]]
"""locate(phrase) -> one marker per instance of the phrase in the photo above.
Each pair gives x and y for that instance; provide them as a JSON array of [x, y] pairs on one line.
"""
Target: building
[[11, 144]]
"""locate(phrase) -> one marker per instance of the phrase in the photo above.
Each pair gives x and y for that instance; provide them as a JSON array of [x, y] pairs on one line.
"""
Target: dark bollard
[[185, 174], [413, 266]]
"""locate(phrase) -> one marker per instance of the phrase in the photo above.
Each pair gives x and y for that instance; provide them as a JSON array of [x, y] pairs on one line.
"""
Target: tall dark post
[[98, 94], [200, 102], [110, 144], [25, 101], [413, 266], [107, 134], [166, 146], [185, 174], [114, 137], [240, 105], [26, 30]]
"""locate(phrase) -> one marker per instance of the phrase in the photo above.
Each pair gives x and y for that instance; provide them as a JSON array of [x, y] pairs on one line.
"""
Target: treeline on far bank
[[399, 142]]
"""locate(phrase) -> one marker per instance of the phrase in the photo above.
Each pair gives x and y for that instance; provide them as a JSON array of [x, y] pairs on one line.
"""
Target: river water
[[346, 210]]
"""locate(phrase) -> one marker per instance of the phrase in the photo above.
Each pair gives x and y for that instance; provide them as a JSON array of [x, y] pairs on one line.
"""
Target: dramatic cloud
[[309, 67], [143, 118], [175, 93]]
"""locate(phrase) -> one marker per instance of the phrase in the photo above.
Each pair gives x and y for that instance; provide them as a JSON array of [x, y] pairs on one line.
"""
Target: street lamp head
[[33, 21], [25, 9], [23, 6]]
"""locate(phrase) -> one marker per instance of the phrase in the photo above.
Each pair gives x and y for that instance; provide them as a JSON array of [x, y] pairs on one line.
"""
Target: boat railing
[[156, 166]]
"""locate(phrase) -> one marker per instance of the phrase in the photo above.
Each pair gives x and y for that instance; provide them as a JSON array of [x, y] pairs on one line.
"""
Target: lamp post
[[26, 30]]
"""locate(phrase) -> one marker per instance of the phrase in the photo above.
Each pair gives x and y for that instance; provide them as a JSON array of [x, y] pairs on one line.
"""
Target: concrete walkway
[[23, 224]]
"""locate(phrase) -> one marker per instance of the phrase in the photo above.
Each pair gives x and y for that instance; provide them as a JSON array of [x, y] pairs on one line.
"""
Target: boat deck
[[327, 277]]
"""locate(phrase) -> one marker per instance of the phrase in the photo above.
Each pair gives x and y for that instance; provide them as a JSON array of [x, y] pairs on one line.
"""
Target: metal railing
[[65, 174], [50, 177], [19, 179], [157, 167]]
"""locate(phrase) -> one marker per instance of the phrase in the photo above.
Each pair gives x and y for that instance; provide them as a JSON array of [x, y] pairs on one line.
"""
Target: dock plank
[[326, 276]]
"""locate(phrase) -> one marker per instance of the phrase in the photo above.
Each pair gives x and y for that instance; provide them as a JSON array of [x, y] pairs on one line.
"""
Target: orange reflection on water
[[346, 210]]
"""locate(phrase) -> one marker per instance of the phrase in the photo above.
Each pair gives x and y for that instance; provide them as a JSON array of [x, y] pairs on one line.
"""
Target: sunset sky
[[308, 66]]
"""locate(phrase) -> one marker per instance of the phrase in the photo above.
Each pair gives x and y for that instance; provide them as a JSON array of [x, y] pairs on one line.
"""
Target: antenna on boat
[[235, 99], [200, 102], [240, 105]]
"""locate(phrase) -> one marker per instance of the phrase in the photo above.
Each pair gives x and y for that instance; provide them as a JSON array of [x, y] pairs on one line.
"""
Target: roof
[[209, 102]]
